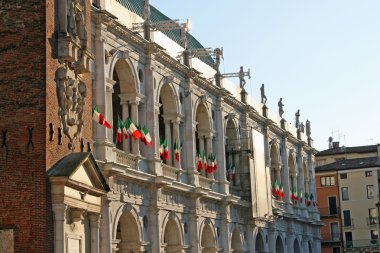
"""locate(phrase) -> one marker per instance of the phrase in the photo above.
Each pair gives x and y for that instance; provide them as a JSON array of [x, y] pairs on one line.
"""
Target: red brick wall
[[55, 151], [23, 191], [28, 61]]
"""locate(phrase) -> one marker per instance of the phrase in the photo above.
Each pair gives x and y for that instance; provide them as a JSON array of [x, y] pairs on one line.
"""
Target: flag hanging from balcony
[[160, 148], [164, 151], [120, 125], [276, 189], [312, 199], [98, 117], [300, 197], [200, 160], [132, 129], [176, 151], [307, 201], [282, 193], [215, 164], [211, 163], [146, 138], [204, 160]]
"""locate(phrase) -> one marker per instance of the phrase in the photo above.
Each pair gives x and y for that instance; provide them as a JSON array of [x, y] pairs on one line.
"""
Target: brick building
[[68, 185]]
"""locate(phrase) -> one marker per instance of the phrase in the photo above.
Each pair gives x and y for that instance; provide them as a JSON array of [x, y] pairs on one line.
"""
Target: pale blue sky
[[322, 57]]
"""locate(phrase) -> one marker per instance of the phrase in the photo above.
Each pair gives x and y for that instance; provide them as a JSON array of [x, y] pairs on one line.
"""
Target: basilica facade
[[211, 169]]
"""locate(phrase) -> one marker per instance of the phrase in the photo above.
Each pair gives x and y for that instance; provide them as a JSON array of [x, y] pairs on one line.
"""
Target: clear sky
[[322, 57]]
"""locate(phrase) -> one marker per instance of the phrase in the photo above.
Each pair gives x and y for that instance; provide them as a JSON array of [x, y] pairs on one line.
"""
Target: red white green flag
[[204, 160], [215, 165], [98, 117], [147, 139], [161, 148], [200, 160], [132, 129], [176, 151], [276, 189], [120, 125], [282, 193], [165, 155]]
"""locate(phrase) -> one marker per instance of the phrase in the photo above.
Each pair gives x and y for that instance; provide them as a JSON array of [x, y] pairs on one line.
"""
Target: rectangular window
[[345, 193], [372, 216], [347, 218], [374, 234], [348, 236], [333, 210], [327, 181], [368, 173], [343, 176], [370, 192], [336, 250], [334, 231]]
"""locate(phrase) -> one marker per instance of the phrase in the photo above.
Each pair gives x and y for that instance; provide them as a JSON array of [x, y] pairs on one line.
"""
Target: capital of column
[[94, 219], [131, 98], [109, 84], [60, 211]]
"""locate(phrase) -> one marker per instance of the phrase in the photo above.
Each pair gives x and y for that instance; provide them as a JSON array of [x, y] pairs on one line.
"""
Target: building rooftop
[[137, 6], [346, 150], [368, 162]]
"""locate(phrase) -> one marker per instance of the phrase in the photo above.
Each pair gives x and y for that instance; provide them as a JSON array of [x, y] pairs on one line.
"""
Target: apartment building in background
[[347, 183]]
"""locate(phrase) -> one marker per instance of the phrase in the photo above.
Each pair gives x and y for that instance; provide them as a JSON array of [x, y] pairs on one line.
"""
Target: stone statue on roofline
[[263, 97], [297, 123], [308, 129], [241, 77], [280, 107], [302, 127]]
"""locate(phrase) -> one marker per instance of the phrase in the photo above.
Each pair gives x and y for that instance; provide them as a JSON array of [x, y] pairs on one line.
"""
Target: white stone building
[[155, 206]]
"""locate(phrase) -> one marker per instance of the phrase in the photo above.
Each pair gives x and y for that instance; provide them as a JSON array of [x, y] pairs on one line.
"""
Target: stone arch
[[124, 91], [203, 134], [275, 165], [279, 245], [208, 237], [127, 230], [172, 236], [259, 243], [168, 119], [236, 241], [119, 58], [232, 157], [296, 246]]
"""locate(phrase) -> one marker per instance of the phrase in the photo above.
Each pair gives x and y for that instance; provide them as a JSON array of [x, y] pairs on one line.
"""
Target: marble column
[[168, 136], [285, 172], [221, 149], [59, 227], [202, 148], [105, 235], [238, 170], [94, 230], [109, 110], [176, 137], [100, 79]]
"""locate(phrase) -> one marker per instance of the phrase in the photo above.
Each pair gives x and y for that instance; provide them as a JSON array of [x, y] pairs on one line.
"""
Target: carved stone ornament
[[71, 93], [76, 20]]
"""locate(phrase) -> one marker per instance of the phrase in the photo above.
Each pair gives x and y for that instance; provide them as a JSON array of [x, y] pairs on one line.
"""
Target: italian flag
[[282, 193], [120, 125], [132, 129], [276, 189], [210, 164], [176, 150], [215, 165], [98, 117], [300, 197], [200, 160], [205, 161], [307, 201], [147, 139], [164, 151]]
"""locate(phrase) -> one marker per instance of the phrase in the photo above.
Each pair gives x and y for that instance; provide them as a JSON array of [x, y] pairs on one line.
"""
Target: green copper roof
[[137, 6]]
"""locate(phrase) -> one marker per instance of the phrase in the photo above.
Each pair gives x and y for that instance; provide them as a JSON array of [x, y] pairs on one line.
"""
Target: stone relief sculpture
[[280, 107], [76, 20], [71, 92]]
